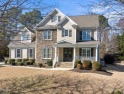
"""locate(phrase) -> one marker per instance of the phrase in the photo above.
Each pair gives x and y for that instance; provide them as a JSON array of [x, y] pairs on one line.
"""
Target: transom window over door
[[86, 35], [47, 35], [46, 52], [86, 52]]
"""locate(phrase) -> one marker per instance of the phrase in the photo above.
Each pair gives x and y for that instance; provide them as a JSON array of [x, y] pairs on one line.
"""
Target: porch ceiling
[[78, 44]]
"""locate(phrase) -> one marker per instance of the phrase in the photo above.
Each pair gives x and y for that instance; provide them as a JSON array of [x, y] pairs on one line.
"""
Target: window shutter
[[62, 32], [92, 35], [70, 33], [92, 52], [79, 51], [80, 35]]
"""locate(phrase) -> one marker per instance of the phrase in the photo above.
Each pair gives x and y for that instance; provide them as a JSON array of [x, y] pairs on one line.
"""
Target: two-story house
[[23, 45], [67, 38]]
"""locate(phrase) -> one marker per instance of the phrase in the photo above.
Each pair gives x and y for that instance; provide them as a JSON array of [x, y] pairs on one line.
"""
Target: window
[[66, 32], [56, 18], [18, 53], [86, 52], [30, 53], [86, 35], [47, 35], [46, 52], [25, 37]]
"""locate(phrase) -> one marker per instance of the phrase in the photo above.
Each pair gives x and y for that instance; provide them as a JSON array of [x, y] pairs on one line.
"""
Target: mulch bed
[[103, 72]]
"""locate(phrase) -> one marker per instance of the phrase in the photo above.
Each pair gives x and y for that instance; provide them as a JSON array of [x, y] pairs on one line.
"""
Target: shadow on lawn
[[115, 67]]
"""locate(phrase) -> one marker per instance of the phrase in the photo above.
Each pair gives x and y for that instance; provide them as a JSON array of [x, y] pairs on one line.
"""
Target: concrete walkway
[[1, 63], [28, 67]]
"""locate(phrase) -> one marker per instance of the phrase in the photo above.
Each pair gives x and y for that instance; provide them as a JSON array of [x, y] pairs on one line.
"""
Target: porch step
[[65, 65]]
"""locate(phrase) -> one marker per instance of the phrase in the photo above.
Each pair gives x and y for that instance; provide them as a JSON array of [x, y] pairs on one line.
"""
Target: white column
[[74, 56], [55, 57], [97, 53]]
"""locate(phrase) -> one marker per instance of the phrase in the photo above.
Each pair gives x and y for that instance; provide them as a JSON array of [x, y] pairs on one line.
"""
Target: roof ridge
[[83, 15]]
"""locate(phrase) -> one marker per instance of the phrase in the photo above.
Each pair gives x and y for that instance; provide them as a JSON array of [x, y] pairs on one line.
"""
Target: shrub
[[49, 62], [32, 61], [10, 61], [21, 63], [117, 92], [96, 66], [13, 63], [87, 64], [18, 60], [77, 62], [40, 65], [6, 60], [78, 66], [28, 63], [109, 59], [25, 59]]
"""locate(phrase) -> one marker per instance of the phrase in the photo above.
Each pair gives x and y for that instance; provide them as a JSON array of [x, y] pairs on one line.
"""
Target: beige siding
[[24, 53], [12, 51], [49, 22], [67, 26], [95, 34], [29, 41]]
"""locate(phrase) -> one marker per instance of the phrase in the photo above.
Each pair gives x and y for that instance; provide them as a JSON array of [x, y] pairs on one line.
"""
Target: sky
[[84, 7]]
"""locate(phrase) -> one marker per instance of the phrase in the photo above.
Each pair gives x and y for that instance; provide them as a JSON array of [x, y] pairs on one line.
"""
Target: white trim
[[65, 41], [47, 34]]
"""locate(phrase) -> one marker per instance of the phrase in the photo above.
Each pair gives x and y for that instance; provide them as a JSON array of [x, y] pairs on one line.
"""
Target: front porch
[[71, 54]]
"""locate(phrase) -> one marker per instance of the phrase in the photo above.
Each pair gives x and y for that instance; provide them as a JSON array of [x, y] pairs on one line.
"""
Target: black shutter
[[80, 35], [79, 51], [70, 33], [92, 35], [91, 52]]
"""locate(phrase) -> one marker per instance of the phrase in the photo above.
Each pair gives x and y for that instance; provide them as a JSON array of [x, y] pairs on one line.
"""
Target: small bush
[[21, 63], [18, 60], [6, 59], [25, 59], [79, 66], [10, 61], [32, 61], [49, 62], [109, 59], [28, 63], [13, 63], [117, 92], [40, 65], [87, 64], [96, 66], [77, 62]]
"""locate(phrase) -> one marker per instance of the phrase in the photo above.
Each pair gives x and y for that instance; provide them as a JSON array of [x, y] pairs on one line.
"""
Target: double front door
[[67, 54]]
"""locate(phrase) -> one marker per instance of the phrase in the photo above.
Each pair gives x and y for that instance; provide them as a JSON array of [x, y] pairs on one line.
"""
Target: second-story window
[[47, 35], [25, 37], [56, 19], [67, 32], [86, 35]]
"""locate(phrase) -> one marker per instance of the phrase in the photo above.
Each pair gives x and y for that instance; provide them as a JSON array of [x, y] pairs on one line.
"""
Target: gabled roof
[[66, 18], [49, 15], [86, 20]]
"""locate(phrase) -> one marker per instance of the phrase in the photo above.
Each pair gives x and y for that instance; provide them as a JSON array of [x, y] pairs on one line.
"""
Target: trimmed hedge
[[49, 62], [87, 64], [11, 61], [96, 66], [77, 62]]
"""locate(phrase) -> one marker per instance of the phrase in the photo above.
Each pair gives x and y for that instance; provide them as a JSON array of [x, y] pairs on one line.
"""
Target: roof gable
[[49, 16]]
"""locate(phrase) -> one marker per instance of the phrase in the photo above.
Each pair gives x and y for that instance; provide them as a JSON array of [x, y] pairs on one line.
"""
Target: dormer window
[[25, 37], [56, 19]]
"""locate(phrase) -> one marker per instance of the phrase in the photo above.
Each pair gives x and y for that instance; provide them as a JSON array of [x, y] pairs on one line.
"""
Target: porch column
[[74, 56], [97, 53], [55, 58]]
